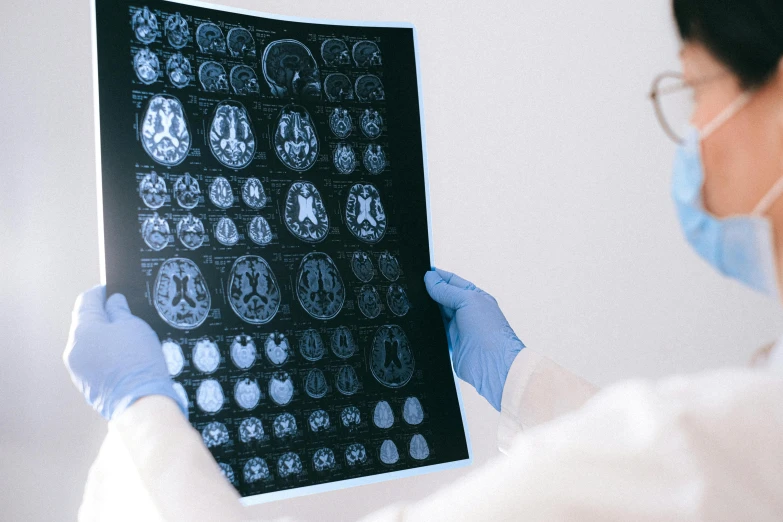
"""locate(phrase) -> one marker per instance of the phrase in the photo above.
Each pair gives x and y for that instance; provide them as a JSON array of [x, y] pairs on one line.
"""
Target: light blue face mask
[[740, 247]]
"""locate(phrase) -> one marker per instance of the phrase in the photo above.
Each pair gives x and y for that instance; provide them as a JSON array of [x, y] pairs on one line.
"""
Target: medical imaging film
[[264, 210]]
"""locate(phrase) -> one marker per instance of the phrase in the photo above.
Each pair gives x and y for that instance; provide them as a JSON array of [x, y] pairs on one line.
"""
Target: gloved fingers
[[117, 308], [455, 280], [444, 293], [89, 306]]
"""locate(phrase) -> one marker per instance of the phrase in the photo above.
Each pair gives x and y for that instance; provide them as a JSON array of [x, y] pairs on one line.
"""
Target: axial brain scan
[[383, 416], [412, 411], [319, 286], [290, 70], [281, 388], [369, 301], [311, 345], [152, 190], [212, 77], [147, 66], [190, 231], [366, 53], [277, 348], [241, 43], [259, 231], [187, 191], [164, 130], [145, 25], [253, 292], [255, 470], [371, 123], [347, 380], [289, 465], [214, 434], [155, 232], [337, 87], [374, 159], [295, 139], [369, 88], [335, 52], [243, 351], [323, 459], [340, 122], [315, 383], [397, 300], [210, 39], [351, 417], [361, 264], [177, 32], [391, 359], [231, 136], [226, 231], [181, 393], [284, 425], [388, 452], [175, 359], [206, 356], [343, 345], [244, 80], [418, 448], [181, 295], [390, 267], [319, 421], [228, 472], [344, 159], [364, 214], [220, 193], [251, 430], [253, 194], [305, 215], [209, 396], [355, 454], [247, 393], [178, 70]]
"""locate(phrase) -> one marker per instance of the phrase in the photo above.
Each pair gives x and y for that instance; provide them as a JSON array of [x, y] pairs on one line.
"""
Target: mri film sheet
[[263, 190]]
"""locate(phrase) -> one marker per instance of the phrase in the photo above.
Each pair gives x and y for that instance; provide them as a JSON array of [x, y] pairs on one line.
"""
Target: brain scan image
[[319, 421], [412, 411], [355, 454], [347, 381], [255, 470], [259, 231], [319, 286], [344, 159], [277, 348], [228, 472], [181, 393], [253, 194], [145, 25], [335, 52], [187, 191], [290, 70], [374, 159], [397, 300], [369, 301], [337, 87], [364, 214], [383, 416], [315, 384], [281, 388], [284, 425], [371, 123], [391, 359], [366, 53], [181, 295], [210, 39], [178, 70], [220, 193], [340, 122], [361, 264], [191, 232], [164, 131], [289, 465], [231, 136], [155, 231], [247, 393], [390, 267], [295, 139], [251, 430], [177, 32], [388, 452], [311, 345], [175, 359], [226, 231], [323, 459], [350, 417], [244, 80], [243, 351], [305, 215], [147, 66], [214, 434], [254, 294], [343, 345], [369, 88], [152, 190], [209, 396], [212, 77], [241, 43], [418, 448], [206, 356]]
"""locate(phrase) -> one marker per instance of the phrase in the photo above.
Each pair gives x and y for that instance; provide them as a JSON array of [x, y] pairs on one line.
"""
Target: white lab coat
[[687, 448]]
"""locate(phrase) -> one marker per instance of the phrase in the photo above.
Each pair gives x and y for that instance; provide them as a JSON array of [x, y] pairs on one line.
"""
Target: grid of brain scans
[[265, 211]]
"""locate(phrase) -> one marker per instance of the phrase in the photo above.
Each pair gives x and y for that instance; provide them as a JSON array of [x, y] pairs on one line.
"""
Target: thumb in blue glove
[[482, 342], [114, 357]]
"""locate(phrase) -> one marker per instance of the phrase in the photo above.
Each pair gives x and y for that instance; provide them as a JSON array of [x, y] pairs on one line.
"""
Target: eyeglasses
[[674, 100]]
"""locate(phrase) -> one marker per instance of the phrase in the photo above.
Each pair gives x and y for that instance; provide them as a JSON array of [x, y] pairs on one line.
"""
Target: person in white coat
[[687, 448]]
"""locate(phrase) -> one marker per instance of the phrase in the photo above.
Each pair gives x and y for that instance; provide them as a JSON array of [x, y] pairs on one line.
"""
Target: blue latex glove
[[482, 342], [114, 357]]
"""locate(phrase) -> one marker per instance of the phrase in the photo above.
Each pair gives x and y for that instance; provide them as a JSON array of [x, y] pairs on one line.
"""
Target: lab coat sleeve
[[537, 390]]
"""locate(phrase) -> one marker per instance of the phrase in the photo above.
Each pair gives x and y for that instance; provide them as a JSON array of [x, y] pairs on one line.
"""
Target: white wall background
[[549, 181]]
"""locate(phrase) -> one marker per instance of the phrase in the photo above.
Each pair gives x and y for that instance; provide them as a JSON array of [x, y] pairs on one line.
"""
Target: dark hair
[[745, 35]]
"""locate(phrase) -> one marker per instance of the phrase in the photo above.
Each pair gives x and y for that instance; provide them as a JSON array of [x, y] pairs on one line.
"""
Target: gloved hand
[[114, 357], [482, 342]]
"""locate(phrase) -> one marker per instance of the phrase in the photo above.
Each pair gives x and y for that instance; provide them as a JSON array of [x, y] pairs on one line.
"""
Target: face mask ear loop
[[725, 114], [769, 198]]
